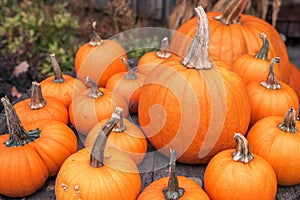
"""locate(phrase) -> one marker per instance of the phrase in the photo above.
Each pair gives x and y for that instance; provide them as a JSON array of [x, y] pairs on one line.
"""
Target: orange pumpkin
[[277, 140], [271, 97], [127, 85], [255, 68], [99, 59], [126, 136], [233, 34], [99, 173], [295, 79], [31, 154], [173, 187], [63, 87], [193, 105], [239, 174], [150, 59], [92, 106], [38, 107]]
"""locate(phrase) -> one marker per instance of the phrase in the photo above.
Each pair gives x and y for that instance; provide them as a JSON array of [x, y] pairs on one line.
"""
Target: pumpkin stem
[[173, 191], [272, 82], [95, 91], [231, 14], [198, 56], [17, 134], [97, 154], [58, 78], [164, 49], [263, 53], [289, 122], [242, 152], [130, 75], [95, 39], [37, 100], [120, 127]]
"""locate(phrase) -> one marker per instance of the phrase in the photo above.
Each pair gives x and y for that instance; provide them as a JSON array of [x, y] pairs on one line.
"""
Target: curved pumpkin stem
[[164, 49], [120, 127], [263, 53], [97, 154], [58, 78], [95, 91], [95, 39], [130, 75], [173, 191], [231, 14], [37, 100], [198, 56], [272, 82], [17, 134], [289, 122], [242, 152]]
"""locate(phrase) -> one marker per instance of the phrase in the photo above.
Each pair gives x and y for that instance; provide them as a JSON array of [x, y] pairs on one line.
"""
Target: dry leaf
[[21, 68], [15, 92]]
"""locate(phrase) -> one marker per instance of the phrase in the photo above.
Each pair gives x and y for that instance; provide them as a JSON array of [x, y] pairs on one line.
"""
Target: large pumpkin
[[295, 79], [192, 105], [99, 173], [233, 34], [99, 59], [31, 154]]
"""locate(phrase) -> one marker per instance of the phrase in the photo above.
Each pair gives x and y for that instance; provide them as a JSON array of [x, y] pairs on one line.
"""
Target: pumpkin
[[94, 105], [239, 174], [38, 107], [233, 34], [126, 136], [99, 59], [127, 85], [150, 59], [270, 97], [294, 80], [277, 140], [99, 173], [32, 153], [61, 86], [173, 187], [255, 68], [193, 105]]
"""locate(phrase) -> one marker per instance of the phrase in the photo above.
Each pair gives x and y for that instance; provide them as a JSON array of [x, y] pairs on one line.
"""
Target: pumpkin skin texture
[[279, 145], [113, 176], [272, 98], [63, 87], [128, 138], [234, 37], [99, 59], [193, 111], [225, 178], [294, 80], [85, 110], [38, 107], [127, 85]]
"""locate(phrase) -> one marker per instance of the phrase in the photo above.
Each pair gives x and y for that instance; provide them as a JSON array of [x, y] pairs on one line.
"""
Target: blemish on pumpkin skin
[[77, 192], [64, 187]]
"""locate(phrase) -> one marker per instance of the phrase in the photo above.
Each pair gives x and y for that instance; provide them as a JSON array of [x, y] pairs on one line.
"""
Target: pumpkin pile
[[223, 95]]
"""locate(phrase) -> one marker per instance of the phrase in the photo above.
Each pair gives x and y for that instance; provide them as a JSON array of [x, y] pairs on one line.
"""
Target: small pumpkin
[[193, 105], [99, 173], [99, 59], [255, 68], [173, 187], [233, 34], [32, 153], [277, 140], [150, 59], [94, 105], [126, 136], [38, 107], [270, 97], [127, 85], [61, 86], [295, 79], [239, 174]]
